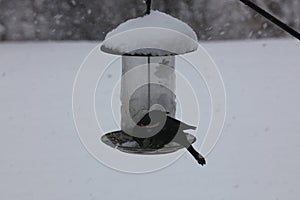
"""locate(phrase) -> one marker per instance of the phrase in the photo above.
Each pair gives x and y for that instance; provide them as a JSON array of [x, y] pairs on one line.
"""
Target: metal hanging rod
[[259, 10], [273, 19]]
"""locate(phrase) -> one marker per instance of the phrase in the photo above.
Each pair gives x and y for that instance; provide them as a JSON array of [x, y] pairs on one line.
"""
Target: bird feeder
[[148, 46]]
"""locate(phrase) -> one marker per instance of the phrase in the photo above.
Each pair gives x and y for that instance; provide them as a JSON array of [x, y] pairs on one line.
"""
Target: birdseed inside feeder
[[148, 46]]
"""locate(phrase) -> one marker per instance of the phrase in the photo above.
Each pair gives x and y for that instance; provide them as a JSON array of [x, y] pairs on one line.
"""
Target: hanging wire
[[148, 4], [273, 19]]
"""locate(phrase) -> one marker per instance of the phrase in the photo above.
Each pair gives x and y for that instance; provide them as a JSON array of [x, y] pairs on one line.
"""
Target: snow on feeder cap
[[148, 46], [156, 34]]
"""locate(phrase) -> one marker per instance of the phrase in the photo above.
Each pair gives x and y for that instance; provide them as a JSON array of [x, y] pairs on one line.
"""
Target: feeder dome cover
[[156, 34]]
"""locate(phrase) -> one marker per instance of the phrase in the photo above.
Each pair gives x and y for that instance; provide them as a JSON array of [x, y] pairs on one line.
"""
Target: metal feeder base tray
[[126, 144]]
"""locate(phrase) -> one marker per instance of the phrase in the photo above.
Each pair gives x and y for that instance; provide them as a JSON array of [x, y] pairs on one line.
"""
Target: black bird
[[164, 129]]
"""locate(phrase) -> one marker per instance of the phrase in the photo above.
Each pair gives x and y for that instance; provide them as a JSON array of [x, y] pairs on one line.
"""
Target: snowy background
[[41, 156], [258, 156]]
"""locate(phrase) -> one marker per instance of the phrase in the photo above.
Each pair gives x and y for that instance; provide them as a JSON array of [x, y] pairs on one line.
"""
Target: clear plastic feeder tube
[[147, 83]]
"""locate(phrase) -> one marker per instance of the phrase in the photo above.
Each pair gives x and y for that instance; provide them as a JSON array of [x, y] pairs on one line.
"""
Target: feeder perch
[[148, 46]]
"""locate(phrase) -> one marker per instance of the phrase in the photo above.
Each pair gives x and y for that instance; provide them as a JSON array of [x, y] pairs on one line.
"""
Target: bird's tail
[[196, 155]]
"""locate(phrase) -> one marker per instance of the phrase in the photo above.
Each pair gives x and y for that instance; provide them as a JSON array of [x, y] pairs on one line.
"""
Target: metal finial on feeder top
[[148, 4]]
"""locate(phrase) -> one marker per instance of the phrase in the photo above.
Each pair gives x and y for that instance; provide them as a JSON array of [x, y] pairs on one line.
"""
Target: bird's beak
[[150, 126]]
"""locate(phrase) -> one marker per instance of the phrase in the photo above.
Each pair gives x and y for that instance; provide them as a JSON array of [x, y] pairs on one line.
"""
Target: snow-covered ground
[[258, 156]]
